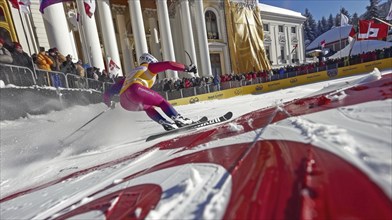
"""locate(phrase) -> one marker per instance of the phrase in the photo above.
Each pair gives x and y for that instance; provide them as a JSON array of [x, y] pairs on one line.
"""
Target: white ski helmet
[[147, 58]]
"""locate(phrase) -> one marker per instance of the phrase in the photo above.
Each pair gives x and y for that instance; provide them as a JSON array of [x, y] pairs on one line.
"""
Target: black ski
[[201, 123]]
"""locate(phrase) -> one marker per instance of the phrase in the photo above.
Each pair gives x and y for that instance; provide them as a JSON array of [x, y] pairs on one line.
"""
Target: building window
[[266, 27], [211, 25], [267, 52], [280, 28], [282, 55], [216, 64], [293, 30]]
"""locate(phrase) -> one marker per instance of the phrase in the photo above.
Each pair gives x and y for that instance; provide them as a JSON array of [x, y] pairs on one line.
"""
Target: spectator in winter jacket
[[57, 59], [68, 66], [21, 58], [5, 55], [105, 77], [43, 60], [79, 69]]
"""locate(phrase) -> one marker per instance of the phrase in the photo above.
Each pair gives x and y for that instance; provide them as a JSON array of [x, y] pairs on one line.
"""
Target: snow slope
[[42, 178]]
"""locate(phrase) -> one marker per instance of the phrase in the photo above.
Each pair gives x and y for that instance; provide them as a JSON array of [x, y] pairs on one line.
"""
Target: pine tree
[[319, 29], [372, 10], [345, 12], [310, 26], [355, 20], [337, 20], [330, 22], [324, 25]]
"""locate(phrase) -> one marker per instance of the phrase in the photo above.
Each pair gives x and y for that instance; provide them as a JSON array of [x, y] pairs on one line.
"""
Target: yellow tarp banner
[[245, 31]]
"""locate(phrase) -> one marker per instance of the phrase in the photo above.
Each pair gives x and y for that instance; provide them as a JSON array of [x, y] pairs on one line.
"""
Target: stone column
[[301, 44], [155, 46], [90, 38], [187, 32], [276, 43], [166, 36], [205, 61], [124, 41], [289, 56], [138, 30], [56, 24], [108, 33]]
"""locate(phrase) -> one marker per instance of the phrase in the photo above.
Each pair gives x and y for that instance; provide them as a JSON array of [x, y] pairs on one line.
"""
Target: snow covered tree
[[310, 26], [372, 10]]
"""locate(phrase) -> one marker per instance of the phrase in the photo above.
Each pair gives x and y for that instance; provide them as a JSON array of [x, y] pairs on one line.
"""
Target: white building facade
[[283, 35]]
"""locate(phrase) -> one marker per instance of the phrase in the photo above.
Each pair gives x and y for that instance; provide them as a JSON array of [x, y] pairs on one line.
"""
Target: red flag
[[368, 30], [89, 7], [22, 5], [352, 34], [15, 4], [113, 68], [294, 47], [322, 43]]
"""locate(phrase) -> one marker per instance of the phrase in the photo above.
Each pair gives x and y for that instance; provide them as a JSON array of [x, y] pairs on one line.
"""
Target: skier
[[136, 95]]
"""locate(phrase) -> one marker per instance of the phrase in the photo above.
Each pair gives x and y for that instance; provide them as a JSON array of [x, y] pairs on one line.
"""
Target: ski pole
[[189, 57], [95, 117]]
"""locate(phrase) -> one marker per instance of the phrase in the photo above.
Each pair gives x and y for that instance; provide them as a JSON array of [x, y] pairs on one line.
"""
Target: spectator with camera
[[57, 59], [68, 66]]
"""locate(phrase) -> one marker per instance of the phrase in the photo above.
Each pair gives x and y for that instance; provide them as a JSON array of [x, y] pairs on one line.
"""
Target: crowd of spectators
[[50, 60], [53, 60], [273, 74]]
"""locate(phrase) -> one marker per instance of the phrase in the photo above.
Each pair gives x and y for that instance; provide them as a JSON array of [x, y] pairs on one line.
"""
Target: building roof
[[335, 34], [280, 11]]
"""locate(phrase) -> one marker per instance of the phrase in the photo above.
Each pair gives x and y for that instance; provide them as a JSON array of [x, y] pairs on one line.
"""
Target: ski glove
[[191, 68]]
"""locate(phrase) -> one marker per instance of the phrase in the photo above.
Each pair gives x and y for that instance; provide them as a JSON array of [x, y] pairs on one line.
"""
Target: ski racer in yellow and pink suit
[[136, 95]]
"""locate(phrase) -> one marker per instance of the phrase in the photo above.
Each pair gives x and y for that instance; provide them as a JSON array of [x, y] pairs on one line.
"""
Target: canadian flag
[[89, 7], [368, 30]]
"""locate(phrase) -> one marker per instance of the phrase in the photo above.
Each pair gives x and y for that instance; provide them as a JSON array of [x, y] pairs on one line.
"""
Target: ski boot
[[168, 125], [181, 121]]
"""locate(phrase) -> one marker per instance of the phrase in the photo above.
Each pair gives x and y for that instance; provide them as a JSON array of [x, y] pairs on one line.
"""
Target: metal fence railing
[[16, 75], [22, 76]]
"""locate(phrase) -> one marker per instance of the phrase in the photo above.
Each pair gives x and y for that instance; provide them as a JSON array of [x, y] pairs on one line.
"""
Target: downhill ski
[[200, 123]]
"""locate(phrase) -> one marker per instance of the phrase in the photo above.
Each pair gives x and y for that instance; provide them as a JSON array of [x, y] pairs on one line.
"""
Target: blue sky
[[320, 8]]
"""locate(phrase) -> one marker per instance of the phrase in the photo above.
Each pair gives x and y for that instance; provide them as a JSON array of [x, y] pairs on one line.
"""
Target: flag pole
[[24, 31], [82, 35], [340, 33], [32, 30], [390, 25], [27, 41]]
